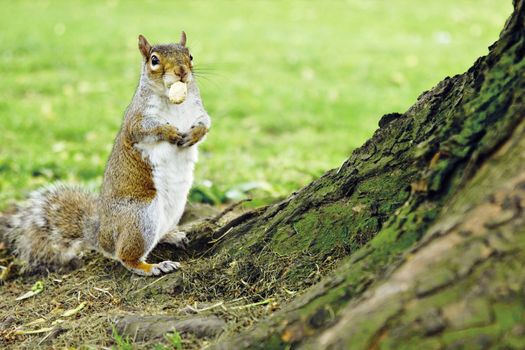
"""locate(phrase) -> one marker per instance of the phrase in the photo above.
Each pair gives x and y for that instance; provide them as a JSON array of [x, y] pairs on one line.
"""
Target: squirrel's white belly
[[172, 165], [173, 176]]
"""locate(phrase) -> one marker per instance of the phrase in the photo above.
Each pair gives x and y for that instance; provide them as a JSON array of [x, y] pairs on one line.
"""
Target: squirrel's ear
[[183, 39], [144, 47]]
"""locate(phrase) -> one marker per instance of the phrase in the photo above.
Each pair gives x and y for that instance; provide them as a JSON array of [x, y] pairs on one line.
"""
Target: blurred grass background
[[292, 86]]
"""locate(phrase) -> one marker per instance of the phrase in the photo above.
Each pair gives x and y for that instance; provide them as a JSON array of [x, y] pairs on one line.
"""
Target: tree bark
[[416, 241]]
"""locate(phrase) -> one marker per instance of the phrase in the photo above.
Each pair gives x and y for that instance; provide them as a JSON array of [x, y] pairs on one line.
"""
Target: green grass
[[292, 87], [174, 340], [123, 343]]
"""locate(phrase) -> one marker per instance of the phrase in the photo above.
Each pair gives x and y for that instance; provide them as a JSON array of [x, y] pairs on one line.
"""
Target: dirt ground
[[83, 308]]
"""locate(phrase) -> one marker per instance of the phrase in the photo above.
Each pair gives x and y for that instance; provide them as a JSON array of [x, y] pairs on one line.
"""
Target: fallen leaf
[[37, 288], [36, 331], [74, 311]]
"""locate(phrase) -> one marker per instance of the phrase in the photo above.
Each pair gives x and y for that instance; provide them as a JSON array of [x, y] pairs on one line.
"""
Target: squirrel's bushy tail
[[52, 228]]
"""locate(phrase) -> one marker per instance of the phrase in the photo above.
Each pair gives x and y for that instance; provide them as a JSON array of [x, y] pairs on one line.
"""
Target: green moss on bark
[[391, 192]]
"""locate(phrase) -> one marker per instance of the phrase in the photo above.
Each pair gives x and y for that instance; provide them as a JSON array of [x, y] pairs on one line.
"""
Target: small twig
[[264, 302], [237, 299], [289, 292], [149, 285], [228, 209], [215, 240], [83, 283], [103, 291], [44, 338], [220, 303], [37, 321]]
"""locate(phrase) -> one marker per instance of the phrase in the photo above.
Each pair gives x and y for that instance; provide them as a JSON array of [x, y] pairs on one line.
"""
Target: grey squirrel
[[146, 181]]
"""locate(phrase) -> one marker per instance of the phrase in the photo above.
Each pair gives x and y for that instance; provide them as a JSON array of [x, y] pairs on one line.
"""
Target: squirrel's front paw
[[196, 133], [175, 137]]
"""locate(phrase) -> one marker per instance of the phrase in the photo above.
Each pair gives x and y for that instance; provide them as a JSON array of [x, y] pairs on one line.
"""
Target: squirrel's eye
[[191, 58], [154, 60]]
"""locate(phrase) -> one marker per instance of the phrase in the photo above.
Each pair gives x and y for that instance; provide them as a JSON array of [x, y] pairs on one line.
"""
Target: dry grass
[[206, 285]]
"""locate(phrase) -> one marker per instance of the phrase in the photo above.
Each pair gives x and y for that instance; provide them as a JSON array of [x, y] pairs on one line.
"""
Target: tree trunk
[[423, 227]]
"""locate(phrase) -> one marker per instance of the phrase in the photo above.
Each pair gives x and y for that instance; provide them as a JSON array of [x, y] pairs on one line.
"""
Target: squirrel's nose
[[182, 74]]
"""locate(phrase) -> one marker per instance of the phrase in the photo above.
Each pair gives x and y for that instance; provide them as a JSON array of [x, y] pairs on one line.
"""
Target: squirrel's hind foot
[[165, 267], [145, 269]]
